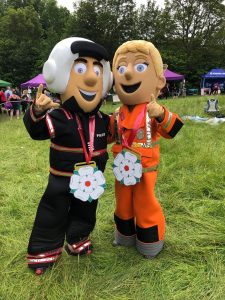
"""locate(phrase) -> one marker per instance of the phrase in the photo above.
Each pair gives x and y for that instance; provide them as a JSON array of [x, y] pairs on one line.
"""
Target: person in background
[[25, 100], [215, 88], [8, 92], [211, 89], [166, 91], [15, 101], [174, 91], [17, 91], [2, 100], [29, 91], [47, 93]]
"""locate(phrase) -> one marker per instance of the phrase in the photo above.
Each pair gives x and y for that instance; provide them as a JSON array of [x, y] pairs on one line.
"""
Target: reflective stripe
[[45, 254], [150, 169], [67, 113], [43, 260], [33, 116], [168, 122], [116, 128], [144, 145], [150, 250], [123, 240], [76, 150], [60, 173], [98, 152], [66, 149], [77, 249], [50, 126], [47, 257], [99, 114], [148, 132]]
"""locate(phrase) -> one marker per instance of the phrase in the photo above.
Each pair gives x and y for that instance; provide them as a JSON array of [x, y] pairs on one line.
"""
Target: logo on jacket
[[100, 134], [140, 134]]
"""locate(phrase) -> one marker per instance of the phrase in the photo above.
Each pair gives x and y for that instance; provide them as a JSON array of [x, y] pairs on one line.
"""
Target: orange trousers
[[138, 202]]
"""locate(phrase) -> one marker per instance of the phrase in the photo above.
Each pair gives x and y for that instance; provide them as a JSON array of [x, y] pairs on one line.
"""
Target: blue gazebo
[[213, 76]]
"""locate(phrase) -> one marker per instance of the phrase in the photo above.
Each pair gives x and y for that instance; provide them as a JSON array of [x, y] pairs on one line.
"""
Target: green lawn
[[190, 187]]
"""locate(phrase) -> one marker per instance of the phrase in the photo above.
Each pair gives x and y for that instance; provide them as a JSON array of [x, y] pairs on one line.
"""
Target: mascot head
[[79, 68], [138, 72]]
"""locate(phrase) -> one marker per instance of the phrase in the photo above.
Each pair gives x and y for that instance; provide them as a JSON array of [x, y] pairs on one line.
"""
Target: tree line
[[190, 34]]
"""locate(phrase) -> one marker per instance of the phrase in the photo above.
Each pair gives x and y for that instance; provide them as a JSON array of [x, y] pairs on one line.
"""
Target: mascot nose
[[128, 73], [90, 79]]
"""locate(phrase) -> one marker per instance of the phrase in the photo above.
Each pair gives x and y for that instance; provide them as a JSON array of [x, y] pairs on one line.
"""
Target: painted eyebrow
[[141, 56], [123, 57], [97, 63], [122, 60], [81, 60]]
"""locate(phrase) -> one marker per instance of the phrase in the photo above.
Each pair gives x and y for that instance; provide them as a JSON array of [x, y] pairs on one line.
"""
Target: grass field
[[191, 190]]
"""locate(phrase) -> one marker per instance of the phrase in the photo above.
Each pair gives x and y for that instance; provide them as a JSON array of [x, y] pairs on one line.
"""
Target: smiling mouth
[[131, 88], [89, 96]]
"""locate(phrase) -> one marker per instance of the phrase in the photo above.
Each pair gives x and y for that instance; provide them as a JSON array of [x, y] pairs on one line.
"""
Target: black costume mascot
[[79, 71]]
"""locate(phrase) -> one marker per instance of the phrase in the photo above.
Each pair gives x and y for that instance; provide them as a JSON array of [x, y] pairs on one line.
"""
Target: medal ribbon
[[91, 134], [128, 142]]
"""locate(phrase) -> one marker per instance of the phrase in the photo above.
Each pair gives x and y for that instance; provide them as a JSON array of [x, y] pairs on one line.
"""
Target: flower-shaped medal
[[87, 183], [127, 168]]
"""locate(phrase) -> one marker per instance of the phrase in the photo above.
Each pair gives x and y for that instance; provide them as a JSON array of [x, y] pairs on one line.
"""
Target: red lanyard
[[91, 133], [128, 142]]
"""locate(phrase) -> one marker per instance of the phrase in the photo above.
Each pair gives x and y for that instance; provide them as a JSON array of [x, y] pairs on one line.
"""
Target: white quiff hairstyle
[[57, 68]]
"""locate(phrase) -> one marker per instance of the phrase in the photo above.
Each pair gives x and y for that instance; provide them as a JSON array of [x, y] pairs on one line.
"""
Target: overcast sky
[[69, 3]]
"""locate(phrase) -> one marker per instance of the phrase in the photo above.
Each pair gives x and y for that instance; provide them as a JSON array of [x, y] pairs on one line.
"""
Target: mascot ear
[[49, 71], [161, 82], [107, 78], [110, 81]]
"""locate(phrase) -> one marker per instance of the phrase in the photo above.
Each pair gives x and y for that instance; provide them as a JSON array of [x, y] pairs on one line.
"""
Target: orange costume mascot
[[136, 128]]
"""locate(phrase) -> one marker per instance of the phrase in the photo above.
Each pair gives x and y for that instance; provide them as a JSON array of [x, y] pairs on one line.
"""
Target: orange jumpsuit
[[138, 215]]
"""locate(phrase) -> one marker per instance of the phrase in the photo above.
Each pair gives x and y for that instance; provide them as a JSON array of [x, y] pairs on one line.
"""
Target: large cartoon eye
[[141, 67], [97, 70], [80, 68], [122, 69]]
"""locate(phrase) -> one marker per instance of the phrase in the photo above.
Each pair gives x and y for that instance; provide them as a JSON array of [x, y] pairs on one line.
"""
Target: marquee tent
[[34, 82], [4, 83], [213, 76], [172, 75]]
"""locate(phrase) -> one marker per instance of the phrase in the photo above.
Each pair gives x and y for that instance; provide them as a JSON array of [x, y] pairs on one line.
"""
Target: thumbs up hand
[[155, 110]]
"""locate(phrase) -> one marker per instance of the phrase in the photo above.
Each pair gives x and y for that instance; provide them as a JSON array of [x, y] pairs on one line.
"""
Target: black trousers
[[60, 215], [24, 105]]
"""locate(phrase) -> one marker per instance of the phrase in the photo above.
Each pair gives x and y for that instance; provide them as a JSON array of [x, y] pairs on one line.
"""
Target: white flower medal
[[127, 166], [87, 182]]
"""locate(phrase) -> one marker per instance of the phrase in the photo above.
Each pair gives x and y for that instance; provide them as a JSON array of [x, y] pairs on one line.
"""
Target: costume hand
[[154, 109], [43, 102]]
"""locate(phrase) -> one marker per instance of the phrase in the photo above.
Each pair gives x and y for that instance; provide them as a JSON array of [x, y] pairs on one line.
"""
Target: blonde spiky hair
[[145, 47]]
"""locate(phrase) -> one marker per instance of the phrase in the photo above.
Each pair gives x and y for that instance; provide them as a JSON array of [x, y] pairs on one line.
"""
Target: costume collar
[[128, 117]]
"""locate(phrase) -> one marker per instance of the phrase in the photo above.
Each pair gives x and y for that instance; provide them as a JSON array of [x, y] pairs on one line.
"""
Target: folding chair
[[212, 106]]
